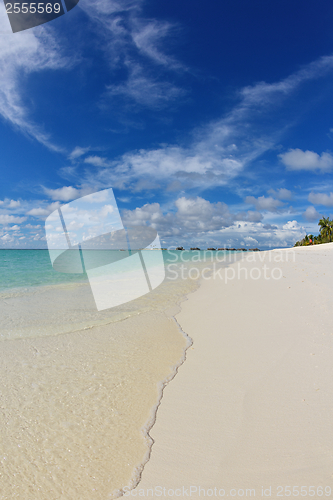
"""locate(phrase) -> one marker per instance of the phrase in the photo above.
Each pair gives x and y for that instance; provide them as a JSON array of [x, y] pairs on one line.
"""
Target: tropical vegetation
[[325, 234]]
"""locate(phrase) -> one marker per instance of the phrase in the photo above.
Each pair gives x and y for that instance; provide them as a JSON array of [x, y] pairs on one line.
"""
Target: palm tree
[[325, 227]]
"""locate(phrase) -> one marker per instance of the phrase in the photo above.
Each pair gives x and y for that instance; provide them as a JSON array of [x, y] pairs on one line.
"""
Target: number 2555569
[[32, 8]]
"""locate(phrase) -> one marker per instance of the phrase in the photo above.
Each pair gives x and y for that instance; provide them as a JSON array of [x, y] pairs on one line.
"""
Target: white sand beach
[[252, 406]]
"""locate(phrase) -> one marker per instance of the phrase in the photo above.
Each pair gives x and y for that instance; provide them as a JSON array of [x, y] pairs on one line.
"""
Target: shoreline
[[146, 429]]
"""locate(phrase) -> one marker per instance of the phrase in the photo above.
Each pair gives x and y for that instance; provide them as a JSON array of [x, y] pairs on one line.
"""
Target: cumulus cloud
[[14, 204], [311, 214], [281, 194], [292, 224], [195, 220], [296, 159], [264, 203], [66, 193], [321, 199], [250, 215], [42, 212], [200, 214], [11, 219], [192, 215], [10, 203], [38, 212]]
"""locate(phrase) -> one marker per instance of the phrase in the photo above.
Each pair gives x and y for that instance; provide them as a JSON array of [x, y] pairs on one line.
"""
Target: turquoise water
[[32, 268], [37, 301]]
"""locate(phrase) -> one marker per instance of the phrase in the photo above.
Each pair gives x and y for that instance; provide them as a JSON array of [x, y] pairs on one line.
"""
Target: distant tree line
[[325, 234]]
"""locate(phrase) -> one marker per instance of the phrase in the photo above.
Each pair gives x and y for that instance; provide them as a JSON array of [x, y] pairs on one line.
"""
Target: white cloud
[[14, 204], [250, 215], [38, 212], [25, 52], [10, 203], [192, 216], [148, 36], [77, 152], [321, 199], [199, 165], [267, 93], [311, 214], [197, 222], [296, 159], [281, 194], [14, 228], [66, 193], [11, 219], [145, 91], [264, 203], [217, 152], [292, 224], [6, 238], [97, 161], [42, 212], [135, 43]]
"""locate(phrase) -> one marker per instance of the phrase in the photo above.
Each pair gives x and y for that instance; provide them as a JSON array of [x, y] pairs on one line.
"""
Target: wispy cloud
[[149, 35], [264, 93], [78, 152], [145, 90], [218, 152], [137, 45], [20, 55], [97, 161]]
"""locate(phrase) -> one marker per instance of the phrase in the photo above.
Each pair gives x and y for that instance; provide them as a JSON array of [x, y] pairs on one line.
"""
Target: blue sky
[[211, 122]]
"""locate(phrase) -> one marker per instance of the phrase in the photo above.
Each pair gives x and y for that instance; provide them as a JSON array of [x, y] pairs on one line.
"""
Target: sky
[[211, 121]]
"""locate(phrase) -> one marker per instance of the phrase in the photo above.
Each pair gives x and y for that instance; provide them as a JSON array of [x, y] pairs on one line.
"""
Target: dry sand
[[252, 406]]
